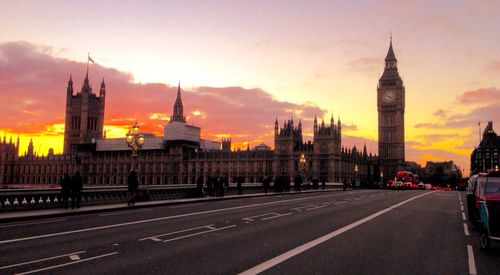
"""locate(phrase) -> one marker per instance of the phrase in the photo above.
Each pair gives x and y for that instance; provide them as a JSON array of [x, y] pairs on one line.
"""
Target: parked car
[[421, 186], [488, 200], [471, 190]]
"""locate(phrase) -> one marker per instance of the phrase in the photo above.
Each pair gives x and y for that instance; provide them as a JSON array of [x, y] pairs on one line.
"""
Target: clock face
[[389, 96]]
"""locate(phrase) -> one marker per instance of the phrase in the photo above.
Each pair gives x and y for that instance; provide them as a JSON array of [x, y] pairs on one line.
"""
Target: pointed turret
[[31, 148], [17, 146], [315, 124], [102, 92], [69, 90], [178, 114], [276, 127]]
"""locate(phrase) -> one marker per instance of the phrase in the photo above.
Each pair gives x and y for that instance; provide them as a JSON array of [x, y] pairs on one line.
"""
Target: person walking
[[265, 184], [65, 190], [210, 186], [76, 190], [199, 186], [132, 187], [239, 185], [323, 183]]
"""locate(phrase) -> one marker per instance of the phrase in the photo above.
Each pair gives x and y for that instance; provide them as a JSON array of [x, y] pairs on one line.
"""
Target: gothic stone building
[[486, 156], [181, 155]]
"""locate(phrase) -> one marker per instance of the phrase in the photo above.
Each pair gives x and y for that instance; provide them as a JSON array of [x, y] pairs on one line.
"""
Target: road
[[342, 232]]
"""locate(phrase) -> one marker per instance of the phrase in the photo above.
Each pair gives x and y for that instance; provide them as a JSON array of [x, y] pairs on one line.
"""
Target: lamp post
[[135, 140], [356, 176], [381, 179], [302, 162]]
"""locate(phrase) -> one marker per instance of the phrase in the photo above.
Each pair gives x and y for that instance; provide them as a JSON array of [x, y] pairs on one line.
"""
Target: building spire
[[390, 53], [178, 114]]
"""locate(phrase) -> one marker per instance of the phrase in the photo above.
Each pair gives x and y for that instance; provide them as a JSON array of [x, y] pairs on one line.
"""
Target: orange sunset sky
[[243, 63]]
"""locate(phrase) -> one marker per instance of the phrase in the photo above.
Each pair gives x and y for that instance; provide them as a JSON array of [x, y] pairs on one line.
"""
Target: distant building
[[447, 168], [486, 156]]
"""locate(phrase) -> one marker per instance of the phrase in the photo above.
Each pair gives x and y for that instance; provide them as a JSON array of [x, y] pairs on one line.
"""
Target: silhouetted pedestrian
[[323, 183], [199, 186], [344, 184], [265, 184], [239, 185], [65, 190], [286, 183], [133, 184], [298, 183], [210, 186], [76, 190]]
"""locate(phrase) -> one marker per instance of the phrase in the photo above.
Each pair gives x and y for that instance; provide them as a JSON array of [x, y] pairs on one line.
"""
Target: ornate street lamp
[[356, 177], [302, 162], [135, 140], [381, 178]]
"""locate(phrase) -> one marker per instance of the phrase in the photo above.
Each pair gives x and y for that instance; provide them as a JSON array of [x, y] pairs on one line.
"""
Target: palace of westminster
[[180, 156]]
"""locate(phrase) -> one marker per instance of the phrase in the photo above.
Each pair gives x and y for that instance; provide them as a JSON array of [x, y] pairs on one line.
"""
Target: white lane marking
[[41, 260], [355, 199], [31, 223], [462, 208], [340, 202], [466, 230], [74, 257], [317, 207], [176, 232], [186, 205], [69, 263], [125, 212], [160, 219], [300, 208], [472, 262], [199, 233], [302, 248], [463, 216], [276, 216]]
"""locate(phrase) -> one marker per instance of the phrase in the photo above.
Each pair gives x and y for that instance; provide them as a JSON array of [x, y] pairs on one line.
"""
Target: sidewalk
[[60, 212]]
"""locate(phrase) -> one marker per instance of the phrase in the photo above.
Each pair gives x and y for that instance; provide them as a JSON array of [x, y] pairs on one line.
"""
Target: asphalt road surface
[[343, 232]]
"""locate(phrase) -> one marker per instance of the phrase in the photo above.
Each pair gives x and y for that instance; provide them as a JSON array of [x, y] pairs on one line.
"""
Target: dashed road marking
[[69, 263], [463, 216], [466, 230], [302, 248], [472, 262], [199, 233], [41, 260]]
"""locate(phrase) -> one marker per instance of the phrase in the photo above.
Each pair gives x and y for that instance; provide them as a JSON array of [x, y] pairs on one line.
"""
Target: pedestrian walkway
[[59, 212]]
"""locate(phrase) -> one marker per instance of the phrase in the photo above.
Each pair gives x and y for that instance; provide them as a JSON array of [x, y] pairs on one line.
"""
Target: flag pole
[[88, 58]]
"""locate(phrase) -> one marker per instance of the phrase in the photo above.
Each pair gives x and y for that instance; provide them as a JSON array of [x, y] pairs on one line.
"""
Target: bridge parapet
[[20, 199]]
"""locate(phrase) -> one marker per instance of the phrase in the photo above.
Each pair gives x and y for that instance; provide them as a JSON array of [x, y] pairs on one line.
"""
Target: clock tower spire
[[391, 109]]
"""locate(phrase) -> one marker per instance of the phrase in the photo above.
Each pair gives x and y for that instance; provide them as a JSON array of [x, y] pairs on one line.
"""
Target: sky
[[242, 64]]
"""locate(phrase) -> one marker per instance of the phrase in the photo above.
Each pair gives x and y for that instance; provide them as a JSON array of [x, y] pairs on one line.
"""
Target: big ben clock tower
[[391, 117]]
